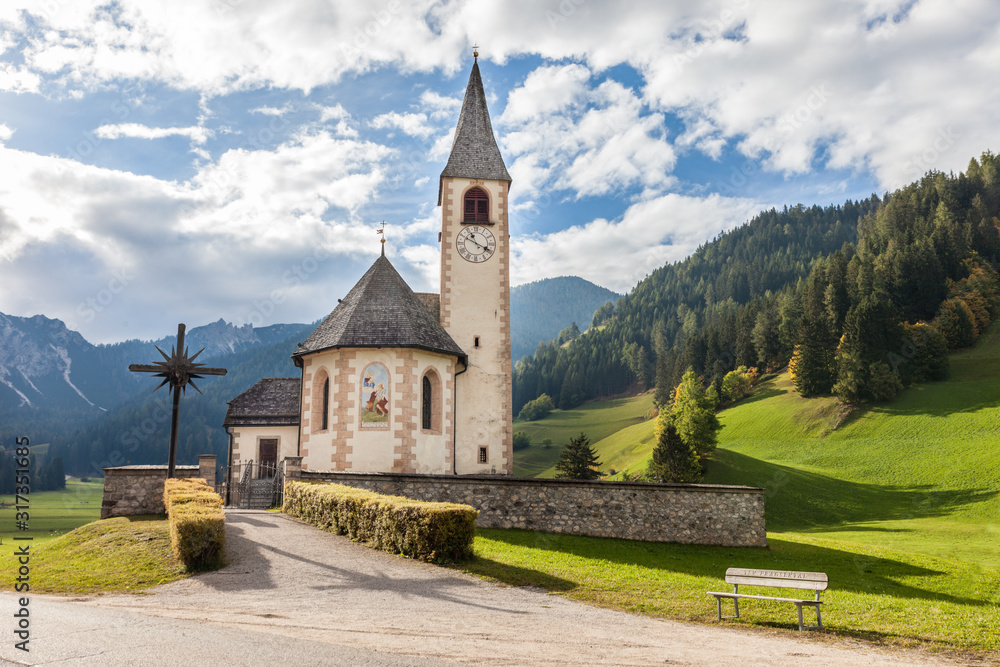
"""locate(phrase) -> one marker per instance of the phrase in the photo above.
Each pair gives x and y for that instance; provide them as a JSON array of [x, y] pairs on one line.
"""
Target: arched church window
[[477, 206], [430, 402], [326, 404], [320, 404]]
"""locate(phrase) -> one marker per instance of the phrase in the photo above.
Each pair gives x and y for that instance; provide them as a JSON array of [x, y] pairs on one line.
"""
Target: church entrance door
[[268, 459]]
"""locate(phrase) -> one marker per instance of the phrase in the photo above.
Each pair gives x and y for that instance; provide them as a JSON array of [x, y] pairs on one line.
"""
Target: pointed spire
[[474, 153]]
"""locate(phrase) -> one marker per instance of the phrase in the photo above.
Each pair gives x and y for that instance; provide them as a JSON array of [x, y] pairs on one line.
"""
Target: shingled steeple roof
[[380, 311], [474, 153]]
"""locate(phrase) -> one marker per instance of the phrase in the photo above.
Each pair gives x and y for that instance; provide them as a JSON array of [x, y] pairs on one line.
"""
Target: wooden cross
[[177, 370]]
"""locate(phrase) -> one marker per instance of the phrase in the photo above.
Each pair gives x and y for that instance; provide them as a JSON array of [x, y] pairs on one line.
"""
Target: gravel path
[[293, 588]]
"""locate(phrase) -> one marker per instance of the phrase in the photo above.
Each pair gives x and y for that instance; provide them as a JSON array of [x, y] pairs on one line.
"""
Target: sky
[[185, 161]]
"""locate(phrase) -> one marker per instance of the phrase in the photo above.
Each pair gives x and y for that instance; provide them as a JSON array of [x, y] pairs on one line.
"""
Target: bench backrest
[[813, 581]]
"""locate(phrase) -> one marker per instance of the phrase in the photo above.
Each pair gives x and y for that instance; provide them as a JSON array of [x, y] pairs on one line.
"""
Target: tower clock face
[[476, 244]]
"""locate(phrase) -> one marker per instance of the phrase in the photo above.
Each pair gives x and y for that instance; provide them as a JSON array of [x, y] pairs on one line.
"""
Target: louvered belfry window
[[477, 206]]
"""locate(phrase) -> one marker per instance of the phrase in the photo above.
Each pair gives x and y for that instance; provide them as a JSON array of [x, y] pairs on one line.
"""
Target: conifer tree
[[673, 459], [578, 460], [812, 362], [871, 333]]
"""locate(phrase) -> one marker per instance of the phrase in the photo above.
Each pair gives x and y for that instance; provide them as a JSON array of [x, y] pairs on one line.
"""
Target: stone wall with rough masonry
[[130, 490], [686, 513]]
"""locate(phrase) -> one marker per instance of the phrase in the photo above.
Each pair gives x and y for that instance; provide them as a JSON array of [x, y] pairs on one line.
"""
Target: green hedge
[[197, 523], [422, 530]]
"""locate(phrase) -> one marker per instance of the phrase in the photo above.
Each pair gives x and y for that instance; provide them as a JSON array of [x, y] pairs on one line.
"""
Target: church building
[[398, 381]]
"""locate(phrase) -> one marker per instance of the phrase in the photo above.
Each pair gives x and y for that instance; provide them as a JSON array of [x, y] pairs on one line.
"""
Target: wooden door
[[268, 458]]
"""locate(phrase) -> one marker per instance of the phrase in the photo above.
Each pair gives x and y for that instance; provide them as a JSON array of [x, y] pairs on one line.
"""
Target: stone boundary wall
[[685, 513], [130, 490]]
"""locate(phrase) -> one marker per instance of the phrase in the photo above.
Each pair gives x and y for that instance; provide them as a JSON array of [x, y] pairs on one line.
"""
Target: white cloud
[[897, 72], [274, 111], [617, 254], [413, 124], [564, 133], [871, 86], [5, 132], [236, 230], [440, 107], [18, 79], [198, 135]]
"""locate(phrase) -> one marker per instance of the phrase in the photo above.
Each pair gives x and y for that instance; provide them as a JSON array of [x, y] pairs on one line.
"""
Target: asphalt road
[[296, 595]]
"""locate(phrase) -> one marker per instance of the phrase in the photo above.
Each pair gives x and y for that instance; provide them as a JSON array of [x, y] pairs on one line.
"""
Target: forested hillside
[[540, 310], [801, 276]]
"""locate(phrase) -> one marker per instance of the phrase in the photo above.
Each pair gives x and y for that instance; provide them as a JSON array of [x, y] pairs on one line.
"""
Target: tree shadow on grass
[[972, 386], [800, 500], [761, 394], [848, 571]]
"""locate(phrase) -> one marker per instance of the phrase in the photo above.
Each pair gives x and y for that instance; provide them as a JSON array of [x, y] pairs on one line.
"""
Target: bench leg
[[819, 618], [718, 608]]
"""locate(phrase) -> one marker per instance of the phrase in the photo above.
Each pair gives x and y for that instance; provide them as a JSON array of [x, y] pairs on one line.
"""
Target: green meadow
[[52, 513], [599, 420], [899, 503], [918, 474]]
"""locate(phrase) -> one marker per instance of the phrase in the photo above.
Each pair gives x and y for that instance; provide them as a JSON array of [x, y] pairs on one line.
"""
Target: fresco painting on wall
[[375, 397]]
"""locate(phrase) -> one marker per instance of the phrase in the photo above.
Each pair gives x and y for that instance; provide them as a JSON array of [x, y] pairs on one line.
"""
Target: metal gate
[[254, 485]]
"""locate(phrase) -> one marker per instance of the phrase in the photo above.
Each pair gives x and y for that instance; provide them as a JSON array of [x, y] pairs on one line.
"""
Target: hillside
[[718, 287], [918, 473], [541, 309]]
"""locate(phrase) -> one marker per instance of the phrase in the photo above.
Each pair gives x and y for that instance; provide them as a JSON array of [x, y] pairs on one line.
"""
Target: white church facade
[[396, 381]]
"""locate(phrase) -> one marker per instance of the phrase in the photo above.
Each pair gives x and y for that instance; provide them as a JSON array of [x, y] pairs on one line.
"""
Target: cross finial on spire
[[475, 51], [381, 232]]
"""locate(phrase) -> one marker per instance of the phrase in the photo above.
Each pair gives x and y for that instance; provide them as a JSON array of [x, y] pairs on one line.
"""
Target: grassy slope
[[113, 555], [918, 474], [598, 420]]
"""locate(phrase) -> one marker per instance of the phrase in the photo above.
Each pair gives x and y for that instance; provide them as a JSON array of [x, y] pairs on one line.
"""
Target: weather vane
[[178, 370], [381, 232]]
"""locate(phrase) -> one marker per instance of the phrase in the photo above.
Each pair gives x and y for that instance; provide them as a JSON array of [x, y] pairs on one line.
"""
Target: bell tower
[[475, 286]]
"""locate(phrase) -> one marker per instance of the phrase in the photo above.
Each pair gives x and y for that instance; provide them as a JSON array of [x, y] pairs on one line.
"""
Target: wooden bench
[[813, 581]]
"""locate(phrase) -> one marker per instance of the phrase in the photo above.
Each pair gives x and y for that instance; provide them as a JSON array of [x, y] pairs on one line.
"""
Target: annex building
[[405, 382]]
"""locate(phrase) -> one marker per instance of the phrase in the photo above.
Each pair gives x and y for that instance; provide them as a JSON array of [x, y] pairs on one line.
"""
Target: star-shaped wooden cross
[[178, 370]]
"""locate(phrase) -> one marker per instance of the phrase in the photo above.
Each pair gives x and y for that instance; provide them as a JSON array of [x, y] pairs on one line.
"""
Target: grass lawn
[[53, 513], [876, 594], [918, 474], [598, 419], [114, 555], [72, 552]]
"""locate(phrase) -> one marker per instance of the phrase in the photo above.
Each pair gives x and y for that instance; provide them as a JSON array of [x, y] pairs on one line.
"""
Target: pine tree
[[871, 333], [673, 459], [812, 374], [578, 460]]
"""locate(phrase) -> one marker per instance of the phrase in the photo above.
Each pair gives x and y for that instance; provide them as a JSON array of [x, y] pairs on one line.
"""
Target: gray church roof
[[270, 402], [380, 311], [474, 153]]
